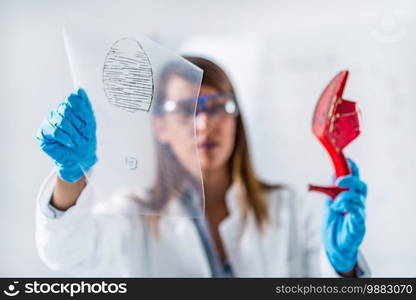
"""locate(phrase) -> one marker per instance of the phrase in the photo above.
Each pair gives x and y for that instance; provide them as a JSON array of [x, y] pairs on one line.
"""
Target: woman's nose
[[202, 121]]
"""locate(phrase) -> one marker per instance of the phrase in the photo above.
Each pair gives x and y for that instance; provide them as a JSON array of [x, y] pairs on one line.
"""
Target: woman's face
[[215, 133], [215, 136]]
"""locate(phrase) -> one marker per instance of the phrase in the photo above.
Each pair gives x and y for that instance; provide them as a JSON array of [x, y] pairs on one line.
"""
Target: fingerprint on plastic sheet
[[128, 76]]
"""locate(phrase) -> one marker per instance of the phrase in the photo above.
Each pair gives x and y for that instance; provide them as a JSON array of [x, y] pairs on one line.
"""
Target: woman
[[251, 229]]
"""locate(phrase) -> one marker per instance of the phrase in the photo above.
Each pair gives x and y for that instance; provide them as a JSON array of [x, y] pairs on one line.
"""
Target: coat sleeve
[[77, 241]]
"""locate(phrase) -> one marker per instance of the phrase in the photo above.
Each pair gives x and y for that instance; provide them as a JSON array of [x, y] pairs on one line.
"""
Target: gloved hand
[[344, 221], [68, 136]]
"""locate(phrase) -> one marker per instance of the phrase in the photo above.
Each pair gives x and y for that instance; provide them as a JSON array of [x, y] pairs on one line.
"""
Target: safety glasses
[[215, 105]]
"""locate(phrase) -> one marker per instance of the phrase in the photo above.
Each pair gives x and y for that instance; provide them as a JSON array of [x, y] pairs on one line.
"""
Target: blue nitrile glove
[[344, 221], [68, 136]]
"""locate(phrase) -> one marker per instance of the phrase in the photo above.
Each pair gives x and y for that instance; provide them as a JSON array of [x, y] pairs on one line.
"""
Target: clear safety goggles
[[216, 105]]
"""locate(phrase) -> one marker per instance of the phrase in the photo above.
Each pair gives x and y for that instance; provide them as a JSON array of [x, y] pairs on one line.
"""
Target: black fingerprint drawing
[[128, 76]]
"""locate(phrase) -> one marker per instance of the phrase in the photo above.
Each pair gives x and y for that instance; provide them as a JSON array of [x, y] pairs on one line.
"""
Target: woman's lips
[[207, 145]]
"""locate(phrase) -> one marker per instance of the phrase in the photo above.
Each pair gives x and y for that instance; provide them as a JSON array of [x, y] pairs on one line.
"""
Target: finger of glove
[[65, 124], [343, 234], [347, 201], [338, 215], [354, 231], [332, 235], [80, 125], [81, 106], [56, 151], [353, 184], [83, 94], [354, 168], [356, 216], [50, 132]]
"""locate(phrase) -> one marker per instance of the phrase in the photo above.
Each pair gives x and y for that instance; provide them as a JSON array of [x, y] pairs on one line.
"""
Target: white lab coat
[[110, 240]]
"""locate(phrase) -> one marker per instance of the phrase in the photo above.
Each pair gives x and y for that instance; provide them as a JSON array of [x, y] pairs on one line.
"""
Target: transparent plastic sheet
[[147, 155]]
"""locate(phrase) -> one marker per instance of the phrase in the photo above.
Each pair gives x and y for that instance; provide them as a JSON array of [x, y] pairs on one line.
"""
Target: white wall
[[280, 54]]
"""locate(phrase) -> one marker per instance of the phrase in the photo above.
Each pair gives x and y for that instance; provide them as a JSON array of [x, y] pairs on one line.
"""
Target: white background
[[280, 55]]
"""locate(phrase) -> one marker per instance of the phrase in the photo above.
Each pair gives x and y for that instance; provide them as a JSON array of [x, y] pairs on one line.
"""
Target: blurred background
[[280, 55]]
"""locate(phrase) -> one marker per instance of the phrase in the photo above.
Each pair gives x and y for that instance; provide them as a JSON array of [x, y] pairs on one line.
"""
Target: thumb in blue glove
[[68, 136], [344, 221]]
